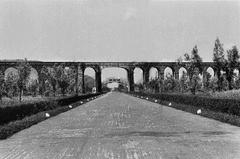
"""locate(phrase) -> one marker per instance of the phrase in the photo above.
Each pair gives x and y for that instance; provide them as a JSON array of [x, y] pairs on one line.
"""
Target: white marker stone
[[81, 102], [156, 101], [70, 106], [170, 104], [199, 111], [47, 115], [147, 98]]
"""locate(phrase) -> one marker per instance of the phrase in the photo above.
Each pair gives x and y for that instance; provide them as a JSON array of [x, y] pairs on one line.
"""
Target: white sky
[[115, 30]]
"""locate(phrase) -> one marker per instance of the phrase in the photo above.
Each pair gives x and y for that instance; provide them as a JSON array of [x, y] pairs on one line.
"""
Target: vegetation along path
[[119, 126]]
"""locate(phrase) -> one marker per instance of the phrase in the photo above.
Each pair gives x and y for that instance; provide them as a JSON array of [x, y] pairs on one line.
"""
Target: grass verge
[[13, 127], [220, 116]]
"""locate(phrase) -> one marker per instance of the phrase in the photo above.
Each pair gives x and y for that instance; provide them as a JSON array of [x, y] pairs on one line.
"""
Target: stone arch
[[168, 71], [119, 73], [138, 75], [34, 74], [181, 70], [153, 73], [89, 79], [10, 71], [210, 70]]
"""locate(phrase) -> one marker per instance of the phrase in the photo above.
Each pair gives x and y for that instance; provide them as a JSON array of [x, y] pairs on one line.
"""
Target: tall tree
[[195, 61], [232, 63], [11, 84], [43, 77], [207, 80], [183, 82], [194, 67], [24, 70], [2, 86], [62, 79], [219, 61], [52, 78]]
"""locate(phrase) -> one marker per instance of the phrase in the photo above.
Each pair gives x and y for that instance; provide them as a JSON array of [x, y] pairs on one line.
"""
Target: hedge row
[[18, 112], [230, 106]]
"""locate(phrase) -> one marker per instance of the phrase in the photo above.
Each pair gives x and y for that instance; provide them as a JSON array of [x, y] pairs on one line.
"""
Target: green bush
[[20, 111]]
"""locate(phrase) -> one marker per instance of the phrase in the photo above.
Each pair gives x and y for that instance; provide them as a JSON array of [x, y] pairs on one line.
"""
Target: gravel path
[[119, 126]]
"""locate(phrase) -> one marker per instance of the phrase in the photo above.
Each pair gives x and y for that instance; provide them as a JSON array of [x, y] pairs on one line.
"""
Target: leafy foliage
[[207, 80], [24, 70], [183, 82], [194, 68], [232, 63], [219, 61], [2, 86]]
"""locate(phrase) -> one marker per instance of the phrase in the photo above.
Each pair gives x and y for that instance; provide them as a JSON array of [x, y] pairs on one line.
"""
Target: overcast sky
[[115, 30]]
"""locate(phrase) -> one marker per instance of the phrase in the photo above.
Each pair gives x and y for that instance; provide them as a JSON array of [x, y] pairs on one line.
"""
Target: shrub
[[230, 106], [17, 112]]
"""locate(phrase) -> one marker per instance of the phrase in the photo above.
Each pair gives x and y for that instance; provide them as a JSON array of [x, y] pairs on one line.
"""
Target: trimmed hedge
[[230, 106], [18, 112]]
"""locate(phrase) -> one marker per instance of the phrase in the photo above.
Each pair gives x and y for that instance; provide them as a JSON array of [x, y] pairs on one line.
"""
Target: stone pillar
[[2, 69], [82, 69], [130, 74], [98, 79], [145, 75], [76, 79], [160, 78], [204, 76], [176, 73], [161, 73]]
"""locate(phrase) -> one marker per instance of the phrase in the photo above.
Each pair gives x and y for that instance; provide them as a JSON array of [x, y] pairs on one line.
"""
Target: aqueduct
[[98, 66]]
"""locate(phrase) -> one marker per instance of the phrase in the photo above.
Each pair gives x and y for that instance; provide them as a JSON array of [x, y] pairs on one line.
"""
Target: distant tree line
[[224, 79], [53, 81]]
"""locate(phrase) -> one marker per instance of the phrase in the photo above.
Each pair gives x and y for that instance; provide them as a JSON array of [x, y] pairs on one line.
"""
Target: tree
[[214, 84], [237, 82], [219, 61], [24, 70], [62, 79], [232, 63], [2, 86], [195, 81], [43, 77], [207, 80], [153, 85], [194, 61], [33, 87], [170, 84], [194, 67], [71, 74], [183, 82], [11, 84], [52, 78]]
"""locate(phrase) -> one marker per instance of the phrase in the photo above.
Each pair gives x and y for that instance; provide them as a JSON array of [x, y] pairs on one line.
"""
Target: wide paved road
[[118, 126]]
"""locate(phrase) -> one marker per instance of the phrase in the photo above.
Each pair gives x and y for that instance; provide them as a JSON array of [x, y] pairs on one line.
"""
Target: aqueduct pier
[[80, 67]]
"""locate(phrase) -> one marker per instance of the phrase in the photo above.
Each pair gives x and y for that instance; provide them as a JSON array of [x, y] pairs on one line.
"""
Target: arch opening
[[210, 71], [153, 73], [89, 80], [182, 70], [114, 78], [138, 79], [168, 72]]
